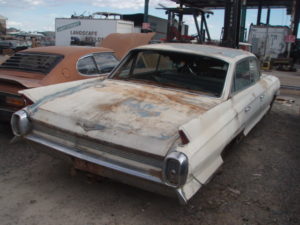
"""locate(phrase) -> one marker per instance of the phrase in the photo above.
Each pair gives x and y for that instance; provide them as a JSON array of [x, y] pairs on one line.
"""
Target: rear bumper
[[76, 153], [117, 171]]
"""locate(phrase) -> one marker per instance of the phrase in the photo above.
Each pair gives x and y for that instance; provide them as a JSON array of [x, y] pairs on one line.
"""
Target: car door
[[245, 93], [261, 87]]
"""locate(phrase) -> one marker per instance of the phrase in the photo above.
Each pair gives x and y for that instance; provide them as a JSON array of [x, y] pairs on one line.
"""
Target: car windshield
[[174, 69]]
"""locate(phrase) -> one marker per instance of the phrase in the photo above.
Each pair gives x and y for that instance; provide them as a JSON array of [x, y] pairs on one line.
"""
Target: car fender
[[208, 135]]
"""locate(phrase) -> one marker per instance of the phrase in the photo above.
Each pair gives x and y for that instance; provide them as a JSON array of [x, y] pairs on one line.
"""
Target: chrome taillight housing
[[20, 123], [175, 169]]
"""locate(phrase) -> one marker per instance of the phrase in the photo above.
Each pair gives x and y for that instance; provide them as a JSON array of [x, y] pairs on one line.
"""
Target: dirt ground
[[259, 183]]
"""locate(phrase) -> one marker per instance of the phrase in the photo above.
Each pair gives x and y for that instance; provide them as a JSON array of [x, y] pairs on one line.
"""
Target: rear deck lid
[[136, 116]]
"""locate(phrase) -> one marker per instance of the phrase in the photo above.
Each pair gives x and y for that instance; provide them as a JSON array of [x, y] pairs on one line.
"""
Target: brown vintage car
[[49, 65]]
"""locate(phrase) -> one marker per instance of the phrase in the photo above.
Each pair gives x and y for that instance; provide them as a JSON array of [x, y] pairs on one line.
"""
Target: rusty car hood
[[133, 115]]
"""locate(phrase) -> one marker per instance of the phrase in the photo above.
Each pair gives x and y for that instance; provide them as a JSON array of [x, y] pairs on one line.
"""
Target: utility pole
[[268, 16], [243, 21], [145, 26], [146, 10], [259, 13]]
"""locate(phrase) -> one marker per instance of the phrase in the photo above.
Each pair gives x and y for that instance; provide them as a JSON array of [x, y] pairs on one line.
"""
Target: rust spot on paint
[[152, 95], [264, 83], [110, 107]]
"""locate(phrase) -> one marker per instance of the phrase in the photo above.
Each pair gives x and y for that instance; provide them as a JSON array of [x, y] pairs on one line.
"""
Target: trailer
[[269, 41], [88, 31]]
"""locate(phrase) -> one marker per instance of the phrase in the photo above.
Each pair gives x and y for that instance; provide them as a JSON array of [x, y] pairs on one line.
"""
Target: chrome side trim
[[79, 154]]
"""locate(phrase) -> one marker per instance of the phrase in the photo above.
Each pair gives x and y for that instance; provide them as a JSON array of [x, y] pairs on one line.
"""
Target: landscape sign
[[68, 26]]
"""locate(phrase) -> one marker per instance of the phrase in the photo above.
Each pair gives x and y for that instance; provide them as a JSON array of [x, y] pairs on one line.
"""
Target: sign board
[[68, 26], [290, 38], [74, 31]]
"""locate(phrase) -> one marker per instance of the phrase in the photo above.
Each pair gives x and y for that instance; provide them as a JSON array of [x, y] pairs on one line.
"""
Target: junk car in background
[[160, 121], [43, 66], [57, 64]]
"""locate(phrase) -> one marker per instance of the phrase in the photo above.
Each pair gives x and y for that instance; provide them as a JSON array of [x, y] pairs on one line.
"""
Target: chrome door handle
[[247, 109]]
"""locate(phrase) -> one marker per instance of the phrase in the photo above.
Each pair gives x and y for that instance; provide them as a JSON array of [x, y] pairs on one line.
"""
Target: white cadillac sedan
[[160, 121]]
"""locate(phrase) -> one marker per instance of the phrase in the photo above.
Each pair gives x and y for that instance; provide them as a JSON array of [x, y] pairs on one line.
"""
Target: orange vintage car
[[49, 65]]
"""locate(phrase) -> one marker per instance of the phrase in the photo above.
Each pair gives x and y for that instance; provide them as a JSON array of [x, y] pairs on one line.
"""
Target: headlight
[[20, 123], [175, 169]]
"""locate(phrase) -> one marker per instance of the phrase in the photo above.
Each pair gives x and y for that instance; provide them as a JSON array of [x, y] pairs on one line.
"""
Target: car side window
[[254, 69], [87, 66], [105, 61], [244, 76]]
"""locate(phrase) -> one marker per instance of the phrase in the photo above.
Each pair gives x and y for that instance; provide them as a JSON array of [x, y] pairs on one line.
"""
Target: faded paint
[[145, 119], [46, 93], [119, 112]]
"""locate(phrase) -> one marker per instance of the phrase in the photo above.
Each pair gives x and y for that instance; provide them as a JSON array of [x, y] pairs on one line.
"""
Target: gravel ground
[[259, 183]]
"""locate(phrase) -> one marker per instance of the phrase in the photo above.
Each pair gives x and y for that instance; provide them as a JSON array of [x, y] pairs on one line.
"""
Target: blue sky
[[39, 15]]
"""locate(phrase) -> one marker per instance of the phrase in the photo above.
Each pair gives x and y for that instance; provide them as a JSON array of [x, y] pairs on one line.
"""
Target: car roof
[[226, 54], [66, 50]]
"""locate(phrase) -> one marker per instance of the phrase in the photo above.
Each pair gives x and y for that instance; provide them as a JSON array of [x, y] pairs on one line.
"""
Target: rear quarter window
[[246, 73], [87, 66], [97, 63]]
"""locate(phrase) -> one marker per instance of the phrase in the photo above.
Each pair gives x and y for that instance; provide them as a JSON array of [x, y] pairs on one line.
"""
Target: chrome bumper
[[98, 161], [160, 186]]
